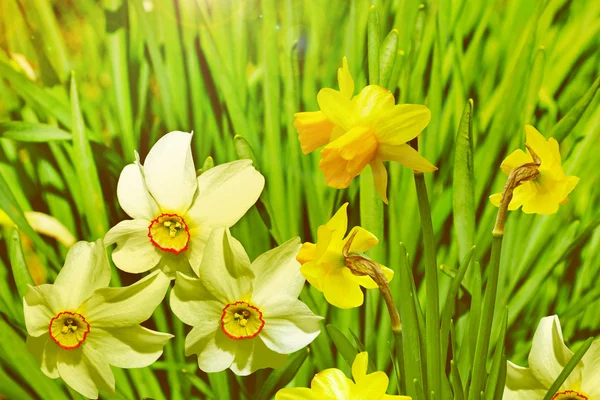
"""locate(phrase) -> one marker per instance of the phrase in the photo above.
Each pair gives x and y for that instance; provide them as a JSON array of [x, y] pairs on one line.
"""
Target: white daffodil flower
[[548, 356], [78, 326], [174, 211], [244, 316]]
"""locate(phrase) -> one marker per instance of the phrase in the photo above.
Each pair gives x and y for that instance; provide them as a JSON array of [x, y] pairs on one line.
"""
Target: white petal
[[133, 195], [45, 350], [549, 354], [521, 384], [170, 264], [289, 327], [193, 303], [86, 269], [591, 371], [135, 253], [278, 273], [252, 355], [170, 173], [226, 192], [40, 305], [215, 350], [225, 269], [126, 306], [83, 374], [198, 238], [129, 347]]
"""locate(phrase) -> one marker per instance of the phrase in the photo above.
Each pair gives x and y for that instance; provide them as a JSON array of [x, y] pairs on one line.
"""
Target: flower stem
[[432, 316]]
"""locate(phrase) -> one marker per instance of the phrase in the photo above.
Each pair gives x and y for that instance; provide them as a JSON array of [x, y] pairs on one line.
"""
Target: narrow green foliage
[[87, 173], [570, 120], [463, 183], [432, 306], [19, 266], [387, 57], [498, 368], [342, 344], [281, 377], [487, 317], [374, 39], [27, 132]]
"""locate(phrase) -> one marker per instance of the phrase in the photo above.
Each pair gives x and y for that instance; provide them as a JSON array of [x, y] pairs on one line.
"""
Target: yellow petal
[[341, 290], [401, 123], [380, 178], [372, 386], [308, 252], [338, 224], [514, 160], [363, 240], [359, 366], [405, 155], [344, 158], [336, 107], [296, 394], [570, 184], [332, 384], [389, 273], [314, 272], [314, 130], [538, 144], [372, 101], [345, 80], [495, 199], [554, 149], [324, 237]]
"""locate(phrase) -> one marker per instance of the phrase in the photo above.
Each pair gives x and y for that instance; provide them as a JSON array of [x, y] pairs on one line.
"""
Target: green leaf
[[568, 122], [9, 204], [361, 347], [27, 132], [19, 266], [410, 326], [449, 305], [279, 378], [199, 384], [373, 32], [463, 190], [387, 57], [569, 368], [457, 386], [343, 345], [498, 367], [83, 160]]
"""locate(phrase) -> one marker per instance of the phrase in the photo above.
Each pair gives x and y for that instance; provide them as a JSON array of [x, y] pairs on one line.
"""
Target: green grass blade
[[387, 58], [498, 366], [19, 266], [279, 378], [568, 122], [374, 38], [342, 344], [83, 159], [463, 183], [27, 132]]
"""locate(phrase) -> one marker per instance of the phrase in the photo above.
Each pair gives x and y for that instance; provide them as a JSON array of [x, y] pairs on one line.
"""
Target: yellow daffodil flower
[[78, 326], [174, 211], [324, 265], [543, 194], [365, 129], [548, 356], [332, 384], [245, 316]]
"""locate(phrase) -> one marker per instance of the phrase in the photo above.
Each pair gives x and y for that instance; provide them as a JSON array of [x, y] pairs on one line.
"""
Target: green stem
[[487, 318], [399, 347], [432, 316]]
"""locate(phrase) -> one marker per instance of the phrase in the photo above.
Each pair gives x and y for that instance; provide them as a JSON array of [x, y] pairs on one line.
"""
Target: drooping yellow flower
[[548, 356], [550, 188], [332, 384], [323, 263], [365, 129]]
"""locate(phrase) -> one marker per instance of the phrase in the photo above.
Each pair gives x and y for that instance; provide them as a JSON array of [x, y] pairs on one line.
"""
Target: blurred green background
[[225, 67]]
